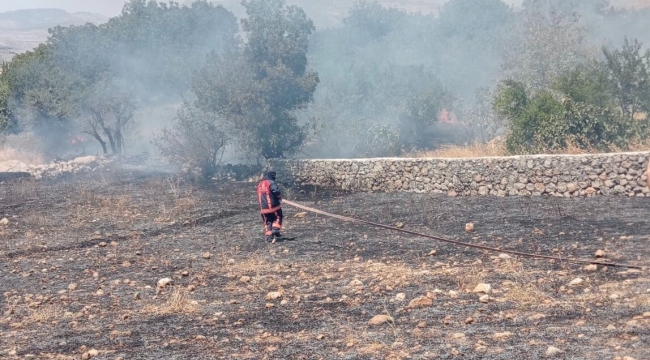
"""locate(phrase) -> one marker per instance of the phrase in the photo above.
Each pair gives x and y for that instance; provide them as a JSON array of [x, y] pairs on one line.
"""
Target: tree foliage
[[155, 46], [548, 40], [41, 96], [152, 48], [585, 107], [5, 111], [259, 89], [628, 71]]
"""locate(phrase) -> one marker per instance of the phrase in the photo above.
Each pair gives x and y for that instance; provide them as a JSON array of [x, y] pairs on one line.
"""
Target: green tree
[[5, 111], [547, 41], [591, 126], [628, 71], [152, 48], [259, 89], [586, 84], [84, 50], [155, 46], [581, 112], [535, 121], [42, 93]]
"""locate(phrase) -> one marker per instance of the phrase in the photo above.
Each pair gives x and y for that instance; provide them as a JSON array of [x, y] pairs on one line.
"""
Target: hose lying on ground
[[458, 243]]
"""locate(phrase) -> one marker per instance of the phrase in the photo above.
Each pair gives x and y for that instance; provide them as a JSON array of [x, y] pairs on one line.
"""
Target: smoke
[[110, 87], [395, 75], [386, 69]]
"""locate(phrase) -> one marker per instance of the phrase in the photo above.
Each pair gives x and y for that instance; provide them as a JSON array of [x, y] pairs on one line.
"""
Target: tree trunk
[[119, 140], [111, 140], [99, 139]]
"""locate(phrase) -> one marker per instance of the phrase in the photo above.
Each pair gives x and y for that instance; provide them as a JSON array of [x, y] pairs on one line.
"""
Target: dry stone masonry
[[621, 174]]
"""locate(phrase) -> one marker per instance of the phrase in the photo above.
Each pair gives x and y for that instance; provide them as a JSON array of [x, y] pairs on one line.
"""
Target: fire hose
[[459, 243]]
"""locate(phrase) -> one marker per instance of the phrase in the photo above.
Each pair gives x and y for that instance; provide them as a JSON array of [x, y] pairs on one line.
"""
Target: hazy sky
[[105, 7], [113, 7]]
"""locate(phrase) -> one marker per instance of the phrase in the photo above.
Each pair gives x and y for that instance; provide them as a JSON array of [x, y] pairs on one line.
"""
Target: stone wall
[[246, 173], [555, 175]]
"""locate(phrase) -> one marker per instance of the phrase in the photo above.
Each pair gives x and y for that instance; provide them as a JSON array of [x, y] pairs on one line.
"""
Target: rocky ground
[[143, 266]]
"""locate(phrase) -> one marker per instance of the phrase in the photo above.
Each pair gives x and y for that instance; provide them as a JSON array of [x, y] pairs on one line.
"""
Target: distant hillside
[[35, 19]]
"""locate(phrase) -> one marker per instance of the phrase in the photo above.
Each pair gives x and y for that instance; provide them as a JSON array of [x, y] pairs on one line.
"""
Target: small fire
[[446, 117]]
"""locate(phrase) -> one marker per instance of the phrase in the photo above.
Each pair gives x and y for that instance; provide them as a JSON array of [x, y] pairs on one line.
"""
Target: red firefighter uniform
[[270, 200]]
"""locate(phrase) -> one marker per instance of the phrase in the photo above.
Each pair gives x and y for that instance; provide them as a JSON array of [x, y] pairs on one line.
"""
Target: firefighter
[[270, 200]]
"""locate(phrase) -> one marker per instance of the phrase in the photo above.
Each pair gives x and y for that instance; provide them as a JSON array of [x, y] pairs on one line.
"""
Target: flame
[[446, 117]]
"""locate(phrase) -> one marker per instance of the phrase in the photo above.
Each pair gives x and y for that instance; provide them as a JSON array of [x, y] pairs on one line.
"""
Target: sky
[[104, 7], [113, 7]]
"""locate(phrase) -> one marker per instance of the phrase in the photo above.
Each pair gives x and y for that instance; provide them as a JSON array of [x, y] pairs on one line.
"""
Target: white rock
[[591, 267], [4, 221], [576, 281], [86, 160], [162, 283], [356, 282], [484, 298], [400, 297], [274, 295], [380, 319], [552, 350], [483, 288], [504, 256], [502, 335]]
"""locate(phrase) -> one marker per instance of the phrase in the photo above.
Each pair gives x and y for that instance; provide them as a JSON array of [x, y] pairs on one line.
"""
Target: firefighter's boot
[[269, 235], [276, 229]]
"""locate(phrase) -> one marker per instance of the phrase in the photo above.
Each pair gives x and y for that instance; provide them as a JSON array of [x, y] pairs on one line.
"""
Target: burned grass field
[[81, 262]]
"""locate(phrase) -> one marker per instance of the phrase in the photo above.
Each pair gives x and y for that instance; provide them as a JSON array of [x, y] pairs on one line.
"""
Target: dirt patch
[[81, 260]]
